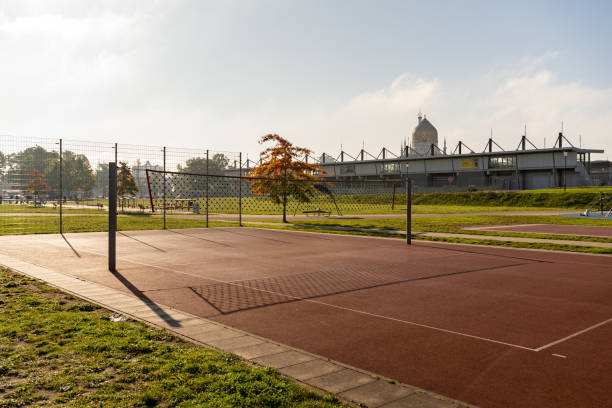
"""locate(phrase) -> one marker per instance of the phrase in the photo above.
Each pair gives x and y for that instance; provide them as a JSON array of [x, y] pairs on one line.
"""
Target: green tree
[[193, 187], [36, 185], [216, 165], [77, 175], [3, 162], [126, 183], [282, 173], [102, 179], [30, 159]]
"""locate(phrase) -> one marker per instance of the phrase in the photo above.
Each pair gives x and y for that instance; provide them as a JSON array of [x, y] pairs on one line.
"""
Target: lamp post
[[564, 172]]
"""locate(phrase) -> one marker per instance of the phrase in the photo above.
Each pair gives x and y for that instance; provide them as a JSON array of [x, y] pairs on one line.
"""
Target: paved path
[[578, 230], [450, 235], [351, 384], [519, 239]]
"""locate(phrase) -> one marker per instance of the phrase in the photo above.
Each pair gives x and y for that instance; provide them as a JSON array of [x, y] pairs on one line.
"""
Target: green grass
[[572, 190], [452, 224], [23, 208], [456, 239], [461, 209], [456, 225], [57, 350], [85, 223], [579, 199]]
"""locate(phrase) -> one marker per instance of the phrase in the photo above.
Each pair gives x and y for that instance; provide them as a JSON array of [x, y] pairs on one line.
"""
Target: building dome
[[424, 135]]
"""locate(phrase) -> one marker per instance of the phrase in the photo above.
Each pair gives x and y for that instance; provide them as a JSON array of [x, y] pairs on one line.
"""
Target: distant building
[[601, 172], [424, 137], [434, 169]]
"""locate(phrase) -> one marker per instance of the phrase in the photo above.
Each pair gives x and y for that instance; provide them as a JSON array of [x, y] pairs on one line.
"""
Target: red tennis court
[[489, 326]]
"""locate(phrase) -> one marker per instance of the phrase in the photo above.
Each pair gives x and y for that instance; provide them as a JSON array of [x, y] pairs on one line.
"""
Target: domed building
[[424, 135]]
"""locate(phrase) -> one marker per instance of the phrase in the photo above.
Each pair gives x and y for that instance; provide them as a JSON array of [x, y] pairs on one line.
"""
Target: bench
[[318, 211]]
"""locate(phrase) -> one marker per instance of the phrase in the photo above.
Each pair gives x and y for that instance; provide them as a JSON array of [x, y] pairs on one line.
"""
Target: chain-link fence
[[54, 185]]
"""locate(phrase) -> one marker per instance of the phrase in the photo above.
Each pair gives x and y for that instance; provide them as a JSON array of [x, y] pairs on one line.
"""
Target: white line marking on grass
[[578, 333]]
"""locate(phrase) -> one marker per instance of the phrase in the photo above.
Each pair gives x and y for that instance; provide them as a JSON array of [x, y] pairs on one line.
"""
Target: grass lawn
[[461, 209], [456, 225], [61, 351], [23, 208], [85, 223], [572, 190]]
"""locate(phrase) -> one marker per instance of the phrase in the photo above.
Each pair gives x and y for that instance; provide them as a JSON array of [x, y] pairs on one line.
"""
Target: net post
[[240, 190], [61, 187], [408, 211], [164, 187], [150, 192], [206, 188], [112, 216]]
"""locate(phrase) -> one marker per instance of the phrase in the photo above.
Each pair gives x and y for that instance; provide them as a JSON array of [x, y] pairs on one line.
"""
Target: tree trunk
[[284, 207], [285, 197]]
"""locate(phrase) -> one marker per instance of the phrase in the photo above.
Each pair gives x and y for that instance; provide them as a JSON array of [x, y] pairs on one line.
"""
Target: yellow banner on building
[[469, 163]]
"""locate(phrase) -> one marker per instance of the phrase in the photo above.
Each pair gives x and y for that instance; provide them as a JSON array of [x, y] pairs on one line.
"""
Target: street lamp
[[564, 172]]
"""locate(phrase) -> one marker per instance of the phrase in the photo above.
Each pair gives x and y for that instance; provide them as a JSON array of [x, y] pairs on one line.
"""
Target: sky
[[323, 74]]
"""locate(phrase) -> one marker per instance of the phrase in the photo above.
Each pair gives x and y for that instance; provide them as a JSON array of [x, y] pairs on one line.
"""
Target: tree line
[[35, 171]]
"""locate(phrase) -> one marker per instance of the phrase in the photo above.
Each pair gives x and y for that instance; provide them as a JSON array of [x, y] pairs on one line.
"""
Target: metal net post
[[408, 211], [61, 188], [164, 198], [207, 193], [112, 216], [240, 190]]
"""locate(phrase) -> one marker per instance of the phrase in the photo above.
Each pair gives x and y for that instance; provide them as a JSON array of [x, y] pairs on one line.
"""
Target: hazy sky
[[322, 73]]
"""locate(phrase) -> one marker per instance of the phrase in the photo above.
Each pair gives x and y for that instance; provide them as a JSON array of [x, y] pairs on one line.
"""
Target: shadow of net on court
[[231, 297]]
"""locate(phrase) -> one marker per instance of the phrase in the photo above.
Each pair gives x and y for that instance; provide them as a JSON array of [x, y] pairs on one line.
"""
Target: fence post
[[61, 187], [240, 190], [164, 200], [207, 188], [408, 211], [112, 216]]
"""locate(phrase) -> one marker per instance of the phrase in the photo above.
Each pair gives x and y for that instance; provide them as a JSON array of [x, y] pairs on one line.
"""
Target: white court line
[[578, 333], [234, 283], [340, 307]]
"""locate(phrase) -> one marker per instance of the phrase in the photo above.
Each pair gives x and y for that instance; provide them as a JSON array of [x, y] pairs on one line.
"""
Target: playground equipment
[[603, 204]]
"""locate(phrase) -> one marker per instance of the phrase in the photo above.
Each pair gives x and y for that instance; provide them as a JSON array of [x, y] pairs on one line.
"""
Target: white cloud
[[405, 94], [138, 73]]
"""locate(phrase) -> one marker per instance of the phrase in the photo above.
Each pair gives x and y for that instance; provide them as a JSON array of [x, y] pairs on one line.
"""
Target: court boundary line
[[369, 313], [576, 334], [440, 329]]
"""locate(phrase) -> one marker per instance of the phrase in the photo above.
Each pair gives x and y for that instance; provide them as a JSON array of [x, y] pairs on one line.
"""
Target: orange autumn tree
[[283, 173]]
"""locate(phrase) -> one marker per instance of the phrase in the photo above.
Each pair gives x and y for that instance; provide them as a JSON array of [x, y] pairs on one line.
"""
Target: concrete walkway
[[519, 239], [350, 384]]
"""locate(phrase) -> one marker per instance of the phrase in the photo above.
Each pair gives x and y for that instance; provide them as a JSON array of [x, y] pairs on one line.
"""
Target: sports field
[[489, 326]]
